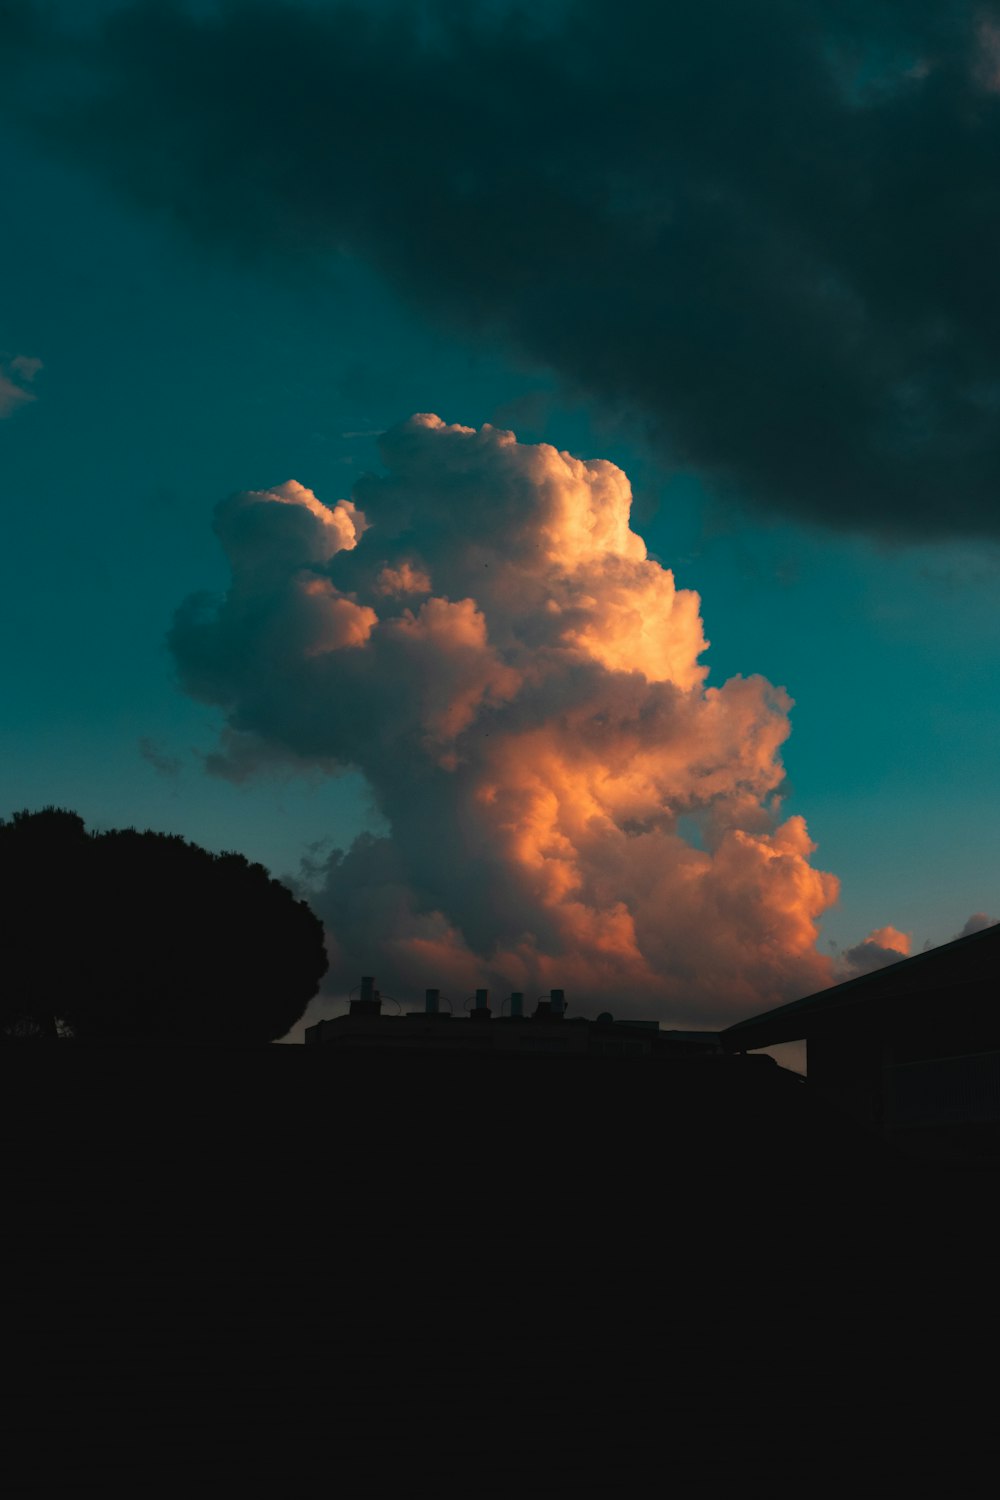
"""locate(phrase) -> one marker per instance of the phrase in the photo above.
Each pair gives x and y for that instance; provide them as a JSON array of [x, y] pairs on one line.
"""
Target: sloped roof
[[972, 960]]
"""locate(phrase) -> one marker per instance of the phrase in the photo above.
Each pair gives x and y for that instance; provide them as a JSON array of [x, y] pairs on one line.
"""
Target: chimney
[[432, 999], [551, 1009], [369, 1002], [517, 1004], [482, 1007]]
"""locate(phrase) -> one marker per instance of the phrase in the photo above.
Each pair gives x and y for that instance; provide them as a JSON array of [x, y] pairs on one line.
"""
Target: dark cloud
[[767, 231]]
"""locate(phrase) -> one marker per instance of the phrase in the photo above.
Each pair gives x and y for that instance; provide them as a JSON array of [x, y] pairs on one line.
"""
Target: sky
[[395, 399]]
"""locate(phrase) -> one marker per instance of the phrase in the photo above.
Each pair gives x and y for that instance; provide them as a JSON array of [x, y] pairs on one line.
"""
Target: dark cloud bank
[[767, 231]]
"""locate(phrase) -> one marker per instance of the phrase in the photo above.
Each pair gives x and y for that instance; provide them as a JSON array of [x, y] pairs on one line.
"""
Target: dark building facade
[[912, 1050]]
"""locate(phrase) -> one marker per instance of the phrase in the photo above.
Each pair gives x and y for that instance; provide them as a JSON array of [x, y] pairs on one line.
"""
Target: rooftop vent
[[369, 1001], [551, 1007], [481, 1010]]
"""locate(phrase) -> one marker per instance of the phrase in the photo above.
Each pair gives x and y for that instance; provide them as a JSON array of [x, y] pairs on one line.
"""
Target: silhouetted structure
[[912, 1050], [547, 1030]]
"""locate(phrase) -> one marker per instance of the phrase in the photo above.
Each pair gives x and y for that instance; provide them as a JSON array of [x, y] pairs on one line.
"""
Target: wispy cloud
[[17, 373], [158, 757]]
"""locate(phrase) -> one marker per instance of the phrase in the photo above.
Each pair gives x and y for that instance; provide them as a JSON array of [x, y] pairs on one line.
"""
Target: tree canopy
[[130, 935]]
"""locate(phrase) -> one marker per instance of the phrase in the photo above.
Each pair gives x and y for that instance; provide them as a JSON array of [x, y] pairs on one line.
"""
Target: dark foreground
[[298, 1272]]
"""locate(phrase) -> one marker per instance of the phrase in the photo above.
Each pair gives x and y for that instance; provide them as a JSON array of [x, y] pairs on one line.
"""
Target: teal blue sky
[[173, 374]]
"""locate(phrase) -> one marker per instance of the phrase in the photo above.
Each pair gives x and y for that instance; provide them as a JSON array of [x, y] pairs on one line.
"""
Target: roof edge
[[848, 992]]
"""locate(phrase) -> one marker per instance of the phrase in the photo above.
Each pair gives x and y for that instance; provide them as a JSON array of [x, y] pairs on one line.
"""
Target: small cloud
[[978, 922], [886, 945], [161, 760], [987, 59], [242, 756], [406, 579], [892, 940], [962, 569], [26, 366], [15, 373]]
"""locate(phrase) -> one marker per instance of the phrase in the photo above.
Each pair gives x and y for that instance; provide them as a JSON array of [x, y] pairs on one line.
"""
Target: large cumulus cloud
[[480, 631], [766, 230]]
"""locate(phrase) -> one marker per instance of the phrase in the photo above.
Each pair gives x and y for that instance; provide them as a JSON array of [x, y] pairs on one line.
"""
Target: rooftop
[[967, 962], [547, 1029]]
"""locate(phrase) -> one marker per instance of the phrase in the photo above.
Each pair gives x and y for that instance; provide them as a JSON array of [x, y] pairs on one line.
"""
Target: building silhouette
[[911, 1050], [907, 1057], [436, 1031]]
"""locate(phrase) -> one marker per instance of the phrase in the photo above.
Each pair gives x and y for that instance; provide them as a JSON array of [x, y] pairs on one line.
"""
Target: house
[[911, 1050]]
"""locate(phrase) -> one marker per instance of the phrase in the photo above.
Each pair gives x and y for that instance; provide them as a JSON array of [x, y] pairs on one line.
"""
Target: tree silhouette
[[42, 862], [132, 935]]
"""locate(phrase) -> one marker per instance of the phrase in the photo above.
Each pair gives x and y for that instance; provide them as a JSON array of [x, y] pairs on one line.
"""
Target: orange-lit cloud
[[893, 939], [886, 945], [482, 633], [406, 579]]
